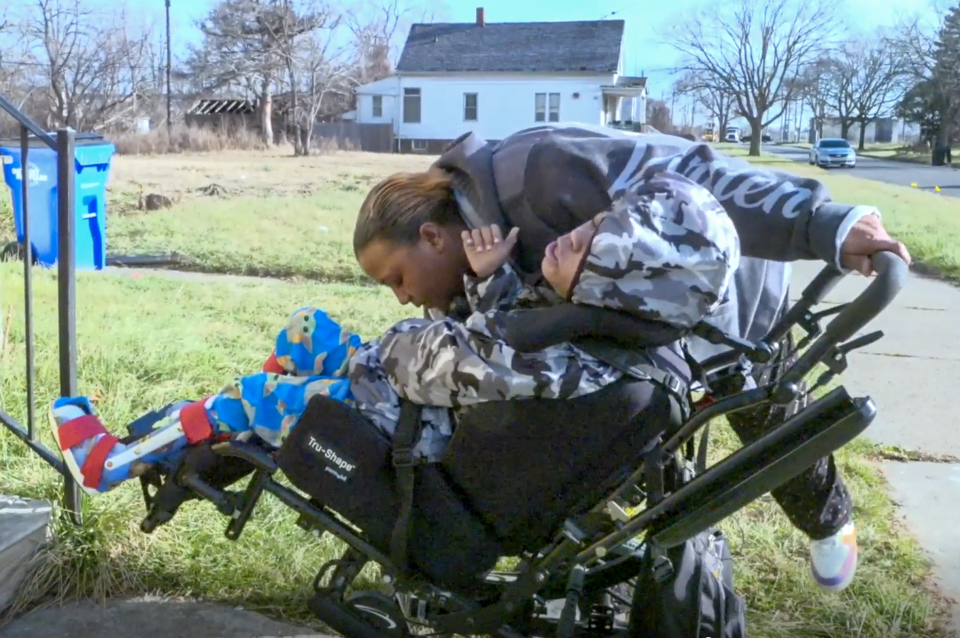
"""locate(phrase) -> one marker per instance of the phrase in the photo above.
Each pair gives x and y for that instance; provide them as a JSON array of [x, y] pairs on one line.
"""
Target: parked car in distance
[[765, 138], [832, 152]]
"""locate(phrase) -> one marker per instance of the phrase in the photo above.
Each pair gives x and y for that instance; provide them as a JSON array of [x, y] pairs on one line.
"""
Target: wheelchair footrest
[[821, 428]]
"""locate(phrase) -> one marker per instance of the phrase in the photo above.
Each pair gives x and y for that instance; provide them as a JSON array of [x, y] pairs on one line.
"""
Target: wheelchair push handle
[[891, 276]]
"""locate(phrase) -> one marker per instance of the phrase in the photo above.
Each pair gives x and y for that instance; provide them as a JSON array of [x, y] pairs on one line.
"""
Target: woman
[[547, 179]]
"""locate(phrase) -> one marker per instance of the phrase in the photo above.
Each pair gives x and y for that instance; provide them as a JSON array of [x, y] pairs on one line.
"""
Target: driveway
[[887, 171]]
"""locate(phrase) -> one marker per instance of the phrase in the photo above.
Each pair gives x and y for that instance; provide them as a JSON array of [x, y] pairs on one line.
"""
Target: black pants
[[816, 501]]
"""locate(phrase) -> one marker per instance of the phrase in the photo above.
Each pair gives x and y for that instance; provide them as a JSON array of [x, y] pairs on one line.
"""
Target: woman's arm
[[568, 178]]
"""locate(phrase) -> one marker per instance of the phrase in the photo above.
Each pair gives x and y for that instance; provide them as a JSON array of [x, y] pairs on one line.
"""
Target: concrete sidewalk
[[912, 375], [153, 617]]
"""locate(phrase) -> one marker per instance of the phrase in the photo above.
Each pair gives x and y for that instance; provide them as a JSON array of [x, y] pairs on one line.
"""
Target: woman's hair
[[395, 208]]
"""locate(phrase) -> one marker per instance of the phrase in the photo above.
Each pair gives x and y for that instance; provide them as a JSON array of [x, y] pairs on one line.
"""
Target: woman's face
[[562, 257], [428, 273]]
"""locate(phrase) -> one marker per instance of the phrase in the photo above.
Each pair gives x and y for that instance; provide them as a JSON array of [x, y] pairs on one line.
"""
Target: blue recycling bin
[[92, 165]]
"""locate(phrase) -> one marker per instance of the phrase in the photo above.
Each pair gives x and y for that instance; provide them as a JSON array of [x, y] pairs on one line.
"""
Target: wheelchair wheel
[[378, 610]]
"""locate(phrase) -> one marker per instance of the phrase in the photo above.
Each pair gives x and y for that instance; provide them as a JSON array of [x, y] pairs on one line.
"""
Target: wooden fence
[[371, 138]]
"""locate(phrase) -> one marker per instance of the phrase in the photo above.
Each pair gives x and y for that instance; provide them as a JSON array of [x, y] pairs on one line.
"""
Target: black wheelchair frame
[[595, 552]]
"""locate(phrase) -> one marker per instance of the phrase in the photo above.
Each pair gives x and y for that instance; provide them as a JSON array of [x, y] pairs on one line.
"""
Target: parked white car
[[833, 152]]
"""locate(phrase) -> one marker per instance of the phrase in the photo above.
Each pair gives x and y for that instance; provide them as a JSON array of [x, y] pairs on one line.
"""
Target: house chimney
[[481, 17]]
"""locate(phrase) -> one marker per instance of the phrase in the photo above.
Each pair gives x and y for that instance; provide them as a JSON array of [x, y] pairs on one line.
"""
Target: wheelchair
[[577, 579]]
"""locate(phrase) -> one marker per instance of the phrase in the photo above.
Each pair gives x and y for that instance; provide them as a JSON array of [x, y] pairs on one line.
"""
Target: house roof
[[545, 47]]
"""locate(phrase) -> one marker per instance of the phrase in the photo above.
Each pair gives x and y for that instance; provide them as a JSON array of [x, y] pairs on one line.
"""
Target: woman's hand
[[487, 249]]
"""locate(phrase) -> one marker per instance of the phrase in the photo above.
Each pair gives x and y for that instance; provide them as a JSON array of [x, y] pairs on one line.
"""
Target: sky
[[645, 52]]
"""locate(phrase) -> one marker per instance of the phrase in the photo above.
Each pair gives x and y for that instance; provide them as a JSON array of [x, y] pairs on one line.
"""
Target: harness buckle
[[404, 457]]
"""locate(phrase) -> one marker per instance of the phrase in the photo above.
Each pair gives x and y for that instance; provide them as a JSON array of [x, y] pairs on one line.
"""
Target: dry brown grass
[[252, 172], [194, 139], [182, 138]]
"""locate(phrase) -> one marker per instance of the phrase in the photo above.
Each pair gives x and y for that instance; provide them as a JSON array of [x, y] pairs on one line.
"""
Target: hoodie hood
[[665, 251]]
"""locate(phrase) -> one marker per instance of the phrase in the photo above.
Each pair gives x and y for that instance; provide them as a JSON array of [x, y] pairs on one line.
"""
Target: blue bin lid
[[90, 155], [88, 152]]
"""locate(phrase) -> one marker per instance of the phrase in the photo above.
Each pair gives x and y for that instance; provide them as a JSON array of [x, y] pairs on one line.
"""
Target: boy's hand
[[486, 248]]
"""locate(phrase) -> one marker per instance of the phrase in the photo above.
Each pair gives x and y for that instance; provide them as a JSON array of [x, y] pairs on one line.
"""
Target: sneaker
[[833, 560]]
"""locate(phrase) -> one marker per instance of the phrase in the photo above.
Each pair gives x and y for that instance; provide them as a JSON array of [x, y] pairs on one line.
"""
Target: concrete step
[[24, 528], [152, 617]]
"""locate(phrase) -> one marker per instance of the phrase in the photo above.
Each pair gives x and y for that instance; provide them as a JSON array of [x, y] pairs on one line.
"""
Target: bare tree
[[659, 116], [813, 85], [240, 49], [753, 49], [327, 73], [839, 93], [718, 102], [289, 25], [379, 28], [15, 76], [867, 81], [90, 66], [316, 60]]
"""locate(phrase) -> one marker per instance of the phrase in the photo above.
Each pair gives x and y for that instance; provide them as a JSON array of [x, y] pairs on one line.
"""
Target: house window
[[377, 106], [411, 106], [470, 106], [541, 112], [418, 145]]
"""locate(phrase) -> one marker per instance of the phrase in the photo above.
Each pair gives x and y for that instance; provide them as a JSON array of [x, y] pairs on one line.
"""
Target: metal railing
[[64, 146]]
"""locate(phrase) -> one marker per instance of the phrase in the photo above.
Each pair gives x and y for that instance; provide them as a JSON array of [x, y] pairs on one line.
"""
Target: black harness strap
[[639, 366], [404, 462]]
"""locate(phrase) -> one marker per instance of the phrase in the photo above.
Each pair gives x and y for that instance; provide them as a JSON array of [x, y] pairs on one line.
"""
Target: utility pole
[[169, 109]]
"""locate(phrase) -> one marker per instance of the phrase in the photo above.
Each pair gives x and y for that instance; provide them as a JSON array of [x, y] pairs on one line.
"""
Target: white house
[[497, 78]]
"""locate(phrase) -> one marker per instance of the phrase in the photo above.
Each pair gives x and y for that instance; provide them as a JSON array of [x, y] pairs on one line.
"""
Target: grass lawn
[[145, 341], [186, 338]]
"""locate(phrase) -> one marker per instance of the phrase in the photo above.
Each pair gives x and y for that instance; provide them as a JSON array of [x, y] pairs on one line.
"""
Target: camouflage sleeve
[[498, 291], [450, 364]]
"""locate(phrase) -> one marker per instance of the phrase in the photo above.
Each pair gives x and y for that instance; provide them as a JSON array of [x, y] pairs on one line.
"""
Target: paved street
[[888, 171], [911, 374]]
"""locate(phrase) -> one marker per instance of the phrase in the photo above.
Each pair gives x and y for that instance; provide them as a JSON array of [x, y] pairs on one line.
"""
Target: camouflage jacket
[[452, 364], [445, 365]]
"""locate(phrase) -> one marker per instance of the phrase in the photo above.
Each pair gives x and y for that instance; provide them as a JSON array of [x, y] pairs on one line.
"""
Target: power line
[[621, 10]]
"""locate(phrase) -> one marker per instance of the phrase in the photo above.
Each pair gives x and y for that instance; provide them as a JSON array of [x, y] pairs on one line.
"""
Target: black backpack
[[687, 592]]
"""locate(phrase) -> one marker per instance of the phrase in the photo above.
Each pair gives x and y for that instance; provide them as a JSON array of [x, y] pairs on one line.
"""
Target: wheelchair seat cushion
[[338, 457], [527, 465]]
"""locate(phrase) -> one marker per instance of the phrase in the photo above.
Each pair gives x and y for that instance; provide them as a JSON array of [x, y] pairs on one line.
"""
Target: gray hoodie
[[548, 179]]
